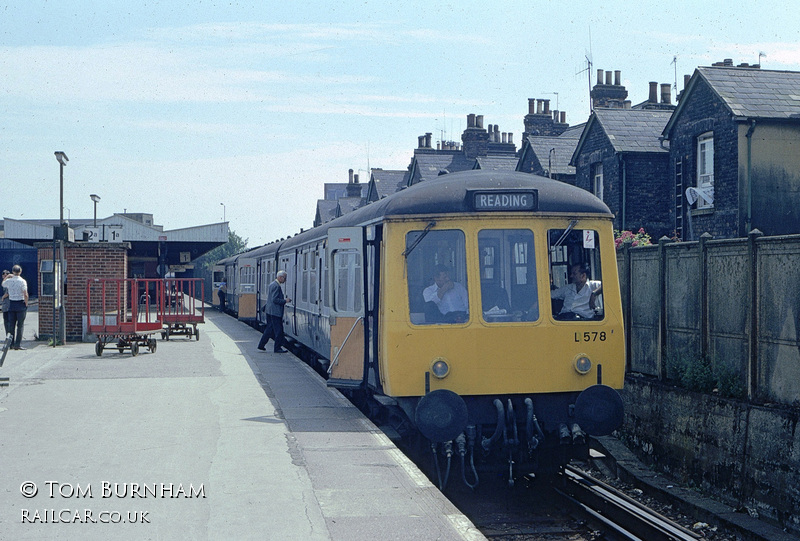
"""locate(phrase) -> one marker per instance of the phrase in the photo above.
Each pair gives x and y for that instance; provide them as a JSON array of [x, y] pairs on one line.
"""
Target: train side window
[[347, 295], [437, 277], [509, 290], [575, 274]]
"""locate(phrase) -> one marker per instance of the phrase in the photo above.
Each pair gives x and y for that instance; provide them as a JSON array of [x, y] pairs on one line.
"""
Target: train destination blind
[[483, 200]]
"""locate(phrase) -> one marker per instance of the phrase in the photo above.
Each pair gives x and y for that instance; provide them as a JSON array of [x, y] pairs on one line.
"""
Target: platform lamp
[[96, 199], [223, 211], [62, 331]]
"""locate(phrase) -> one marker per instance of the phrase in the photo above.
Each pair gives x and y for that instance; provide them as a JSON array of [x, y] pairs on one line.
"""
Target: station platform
[[208, 439]]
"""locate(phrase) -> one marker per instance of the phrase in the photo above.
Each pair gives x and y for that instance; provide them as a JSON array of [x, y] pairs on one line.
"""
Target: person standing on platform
[[222, 294], [276, 301], [17, 289], [6, 302]]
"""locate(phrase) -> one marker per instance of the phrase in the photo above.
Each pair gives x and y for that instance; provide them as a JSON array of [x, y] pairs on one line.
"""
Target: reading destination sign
[[504, 200]]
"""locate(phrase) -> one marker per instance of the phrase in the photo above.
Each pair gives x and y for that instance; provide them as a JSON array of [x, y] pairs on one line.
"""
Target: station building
[[120, 246]]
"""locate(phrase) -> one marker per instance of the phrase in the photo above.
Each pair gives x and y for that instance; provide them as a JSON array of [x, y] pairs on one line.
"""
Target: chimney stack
[[666, 93]]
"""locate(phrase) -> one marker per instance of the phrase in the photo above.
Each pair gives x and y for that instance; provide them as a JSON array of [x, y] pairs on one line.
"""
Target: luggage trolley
[[183, 307], [125, 311]]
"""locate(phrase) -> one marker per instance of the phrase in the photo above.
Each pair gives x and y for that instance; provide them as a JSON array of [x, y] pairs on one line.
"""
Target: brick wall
[[704, 112], [84, 261]]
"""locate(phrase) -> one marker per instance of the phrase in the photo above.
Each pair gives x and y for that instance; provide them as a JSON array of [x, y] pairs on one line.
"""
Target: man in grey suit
[[276, 300]]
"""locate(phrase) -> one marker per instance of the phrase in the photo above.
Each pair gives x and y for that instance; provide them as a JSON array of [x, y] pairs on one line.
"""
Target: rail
[[627, 517]]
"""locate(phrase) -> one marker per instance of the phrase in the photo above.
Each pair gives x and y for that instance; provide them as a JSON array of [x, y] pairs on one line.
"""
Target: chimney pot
[[471, 120], [563, 117], [355, 179], [686, 80], [617, 77], [479, 121], [531, 106], [421, 141], [428, 140], [350, 176], [547, 106], [653, 92], [538, 107], [505, 137], [511, 138], [491, 133], [666, 93], [599, 77], [608, 77], [626, 104]]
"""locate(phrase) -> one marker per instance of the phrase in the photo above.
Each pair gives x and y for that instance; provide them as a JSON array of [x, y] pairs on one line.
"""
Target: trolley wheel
[[98, 348], [151, 345], [166, 332], [196, 333], [134, 348], [163, 335]]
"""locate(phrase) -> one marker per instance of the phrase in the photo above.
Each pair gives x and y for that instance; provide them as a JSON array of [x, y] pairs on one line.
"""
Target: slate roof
[[326, 211], [428, 166], [632, 130], [748, 92], [348, 205], [496, 163], [562, 147], [388, 181], [756, 93]]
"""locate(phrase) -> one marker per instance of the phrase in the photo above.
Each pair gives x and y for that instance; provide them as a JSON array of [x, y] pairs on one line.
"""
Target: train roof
[[448, 194]]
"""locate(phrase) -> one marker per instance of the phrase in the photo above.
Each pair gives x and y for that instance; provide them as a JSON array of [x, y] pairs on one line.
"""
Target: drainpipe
[[624, 191], [749, 135]]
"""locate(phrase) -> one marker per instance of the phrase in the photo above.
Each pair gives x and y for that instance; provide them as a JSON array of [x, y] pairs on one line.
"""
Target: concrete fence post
[[752, 360], [704, 327], [661, 363]]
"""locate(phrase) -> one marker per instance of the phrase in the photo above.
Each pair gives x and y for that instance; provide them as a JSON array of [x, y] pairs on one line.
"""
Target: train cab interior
[[574, 257]]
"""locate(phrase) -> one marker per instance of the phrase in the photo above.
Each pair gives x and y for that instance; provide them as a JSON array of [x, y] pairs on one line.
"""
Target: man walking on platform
[[274, 309]]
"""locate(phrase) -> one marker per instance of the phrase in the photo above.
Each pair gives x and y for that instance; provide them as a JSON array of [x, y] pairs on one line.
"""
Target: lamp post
[[96, 199], [58, 300], [223, 211], [62, 159]]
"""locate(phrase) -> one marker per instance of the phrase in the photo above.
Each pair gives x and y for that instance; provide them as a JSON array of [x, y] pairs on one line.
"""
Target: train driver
[[449, 297], [579, 295]]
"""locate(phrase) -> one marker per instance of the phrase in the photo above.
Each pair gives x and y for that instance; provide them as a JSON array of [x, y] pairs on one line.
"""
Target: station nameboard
[[503, 200]]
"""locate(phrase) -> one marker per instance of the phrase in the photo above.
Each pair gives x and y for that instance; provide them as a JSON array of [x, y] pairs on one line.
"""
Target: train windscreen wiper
[[566, 232], [422, 235]]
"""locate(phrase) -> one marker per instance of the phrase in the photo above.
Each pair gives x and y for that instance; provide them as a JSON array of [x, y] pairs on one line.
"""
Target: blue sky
[[172, 108]]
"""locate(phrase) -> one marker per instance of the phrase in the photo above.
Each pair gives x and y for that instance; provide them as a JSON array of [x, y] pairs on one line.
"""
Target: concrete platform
[[208, 439]]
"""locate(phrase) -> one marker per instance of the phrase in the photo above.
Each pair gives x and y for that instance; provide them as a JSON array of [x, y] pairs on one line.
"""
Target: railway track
[[626, 517]]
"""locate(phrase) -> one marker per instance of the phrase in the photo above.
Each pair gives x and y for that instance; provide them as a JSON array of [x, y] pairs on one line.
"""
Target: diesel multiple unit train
[[438, 303]]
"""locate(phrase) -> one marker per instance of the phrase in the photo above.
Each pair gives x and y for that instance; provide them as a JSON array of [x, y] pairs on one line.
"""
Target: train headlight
[[440, 368], [582, 364]]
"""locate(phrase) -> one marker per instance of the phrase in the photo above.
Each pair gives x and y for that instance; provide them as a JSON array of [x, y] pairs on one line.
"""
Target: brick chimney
[[608, 95], [475, 139]]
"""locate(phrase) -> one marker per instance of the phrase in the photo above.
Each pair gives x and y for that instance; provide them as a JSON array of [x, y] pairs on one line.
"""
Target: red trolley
[[183, 307], [124, 312]]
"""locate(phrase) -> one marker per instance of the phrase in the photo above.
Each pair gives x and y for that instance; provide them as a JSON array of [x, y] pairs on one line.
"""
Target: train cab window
[[437, 277], [508, 275], [576, 286]]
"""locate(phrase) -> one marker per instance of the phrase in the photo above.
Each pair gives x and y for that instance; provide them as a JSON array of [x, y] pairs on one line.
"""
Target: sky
[[201, 112]]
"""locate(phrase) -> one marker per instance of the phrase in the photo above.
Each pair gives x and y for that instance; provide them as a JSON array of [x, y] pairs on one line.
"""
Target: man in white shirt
[[449, 297], [17, 291], [579, 295]]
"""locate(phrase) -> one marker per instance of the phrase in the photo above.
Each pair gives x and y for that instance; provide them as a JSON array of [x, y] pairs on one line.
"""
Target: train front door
[[347, 306]]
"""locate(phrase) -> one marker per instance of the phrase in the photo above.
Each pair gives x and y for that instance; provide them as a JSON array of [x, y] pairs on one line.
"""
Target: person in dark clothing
[[276, 301], [222, 294]]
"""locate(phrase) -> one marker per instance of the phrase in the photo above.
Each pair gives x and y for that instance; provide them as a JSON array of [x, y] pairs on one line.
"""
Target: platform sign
[[114, 233], [185, 257], [93, 234]]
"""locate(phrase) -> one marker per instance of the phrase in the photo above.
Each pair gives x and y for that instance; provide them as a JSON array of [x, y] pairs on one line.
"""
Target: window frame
[[704, 177]]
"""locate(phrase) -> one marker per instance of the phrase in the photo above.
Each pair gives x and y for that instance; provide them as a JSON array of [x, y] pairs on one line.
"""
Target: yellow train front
[[448, 301]]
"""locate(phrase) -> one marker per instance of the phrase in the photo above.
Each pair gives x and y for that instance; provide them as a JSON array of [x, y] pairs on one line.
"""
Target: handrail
[[336, 357]]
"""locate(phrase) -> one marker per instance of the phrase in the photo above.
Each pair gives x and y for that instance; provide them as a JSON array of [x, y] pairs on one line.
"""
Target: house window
[[705, 171], [597, 175]]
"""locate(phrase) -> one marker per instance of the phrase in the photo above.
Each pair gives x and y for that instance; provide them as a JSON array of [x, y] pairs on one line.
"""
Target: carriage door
[[346, 298]]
